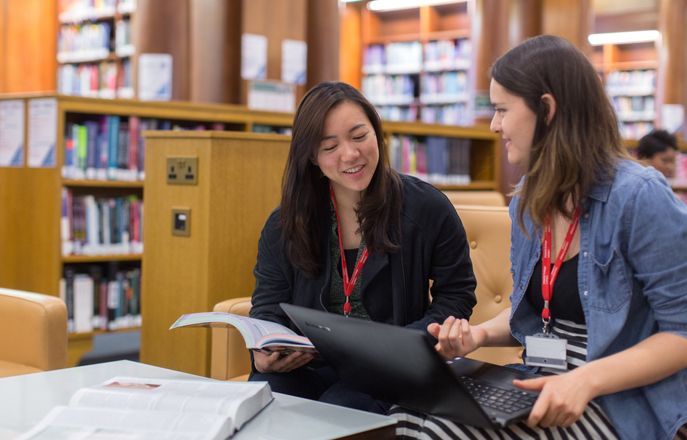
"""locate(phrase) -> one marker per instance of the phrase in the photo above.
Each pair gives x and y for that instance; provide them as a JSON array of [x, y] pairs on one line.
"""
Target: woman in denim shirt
[[620, 295]]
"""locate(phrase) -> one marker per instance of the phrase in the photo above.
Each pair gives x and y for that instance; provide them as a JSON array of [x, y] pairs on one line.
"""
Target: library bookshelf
[[416, 63], [95, 51], [39, 252], [629, 72]]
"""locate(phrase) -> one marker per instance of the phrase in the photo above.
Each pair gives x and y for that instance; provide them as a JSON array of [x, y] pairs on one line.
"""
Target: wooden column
[[569, 19], [28, 46], [215, 50], [162, 26], [350, 44], [487, 44], [323, 41], [672, 69]]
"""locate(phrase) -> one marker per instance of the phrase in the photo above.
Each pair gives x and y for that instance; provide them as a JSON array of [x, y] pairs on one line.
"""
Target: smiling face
[[348, 153], [514, 120]]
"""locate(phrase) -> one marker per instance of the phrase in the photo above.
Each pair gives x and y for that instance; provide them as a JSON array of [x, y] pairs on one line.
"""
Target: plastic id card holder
[[545, 351]]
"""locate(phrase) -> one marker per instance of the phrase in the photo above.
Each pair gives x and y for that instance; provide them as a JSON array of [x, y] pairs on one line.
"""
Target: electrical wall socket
[[182, 170]]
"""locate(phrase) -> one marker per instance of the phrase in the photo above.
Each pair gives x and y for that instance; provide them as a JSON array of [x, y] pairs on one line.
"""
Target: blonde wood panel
[[29, 52], [488, 44], [239, 185], [30, 228]]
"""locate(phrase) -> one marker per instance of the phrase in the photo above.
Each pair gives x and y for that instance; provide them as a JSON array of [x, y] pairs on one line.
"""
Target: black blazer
[[433, 246]]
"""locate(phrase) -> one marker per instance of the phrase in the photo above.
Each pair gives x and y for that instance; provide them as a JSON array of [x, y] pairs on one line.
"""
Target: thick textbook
[[257, 333], [139, 408]]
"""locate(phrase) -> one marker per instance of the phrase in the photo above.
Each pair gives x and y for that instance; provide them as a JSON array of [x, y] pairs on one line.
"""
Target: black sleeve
[[453, 280], [273, 275]]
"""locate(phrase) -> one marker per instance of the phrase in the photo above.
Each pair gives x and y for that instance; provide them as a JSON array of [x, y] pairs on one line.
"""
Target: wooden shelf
[[102, 184], [70, 259]]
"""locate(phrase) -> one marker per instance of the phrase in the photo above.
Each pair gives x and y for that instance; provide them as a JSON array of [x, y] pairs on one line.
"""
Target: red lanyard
[[548, 275], [349, 284]]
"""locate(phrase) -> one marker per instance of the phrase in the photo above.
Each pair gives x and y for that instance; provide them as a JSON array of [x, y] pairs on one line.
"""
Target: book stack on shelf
[[437, 160], [94, 48], [416, 64], [629, 74]]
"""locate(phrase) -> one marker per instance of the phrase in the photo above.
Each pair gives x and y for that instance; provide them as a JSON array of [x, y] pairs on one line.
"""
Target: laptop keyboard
[[496, 398]]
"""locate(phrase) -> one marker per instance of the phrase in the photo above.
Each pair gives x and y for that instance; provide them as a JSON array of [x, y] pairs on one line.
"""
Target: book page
[[74, 423], [251, 329]]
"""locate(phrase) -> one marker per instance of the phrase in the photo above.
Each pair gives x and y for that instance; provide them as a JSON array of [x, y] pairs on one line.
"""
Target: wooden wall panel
[[277, 20], [570, 20], [215, 50], [29, 46], [162, 26], [322, 29], [672, 69]]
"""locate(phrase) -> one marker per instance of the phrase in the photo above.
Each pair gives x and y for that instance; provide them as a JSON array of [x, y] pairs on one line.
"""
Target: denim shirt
[[632, 279]]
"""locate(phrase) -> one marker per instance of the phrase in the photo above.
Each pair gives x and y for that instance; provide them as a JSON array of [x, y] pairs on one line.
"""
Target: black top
[[565, 303], [394, 286]]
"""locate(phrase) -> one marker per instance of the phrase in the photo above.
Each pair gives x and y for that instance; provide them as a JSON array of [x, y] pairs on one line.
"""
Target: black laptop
[[400, 365]]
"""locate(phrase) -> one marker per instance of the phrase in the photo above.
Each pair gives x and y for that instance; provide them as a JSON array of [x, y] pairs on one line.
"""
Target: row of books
[[93, 80], [444, 87], [397, 57], [635, 108], [635, 130], [77, 40], [447, 54], [78, 10], [438, 160], [100, 299], [450, 114], [108, 147], [122, 36], [390, 90], [413, 56], [631, 82], [407, 113], [92, 225]]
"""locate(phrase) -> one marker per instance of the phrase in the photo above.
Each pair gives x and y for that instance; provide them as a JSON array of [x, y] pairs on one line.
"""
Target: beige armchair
[[488, 231], [482, 198], [33, 332]]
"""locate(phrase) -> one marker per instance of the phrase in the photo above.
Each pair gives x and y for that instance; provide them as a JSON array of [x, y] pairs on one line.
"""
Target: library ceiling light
[[623, 37], [394, 5]]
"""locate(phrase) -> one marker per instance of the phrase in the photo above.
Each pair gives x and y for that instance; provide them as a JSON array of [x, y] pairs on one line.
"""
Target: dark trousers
[[320, 383]]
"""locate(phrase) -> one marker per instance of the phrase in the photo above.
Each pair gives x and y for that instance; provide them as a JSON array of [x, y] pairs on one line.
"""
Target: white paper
[[672, 117], [271, 96], [12, 133], [155, 77], [253, 56], [42, 137], [294, 61]]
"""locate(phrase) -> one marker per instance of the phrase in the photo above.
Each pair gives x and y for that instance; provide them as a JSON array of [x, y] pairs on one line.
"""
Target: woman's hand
[[562, 399], [277, 362], [456, 337]]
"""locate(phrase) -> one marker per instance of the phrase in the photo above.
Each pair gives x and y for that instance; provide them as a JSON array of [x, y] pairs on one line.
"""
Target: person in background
[[659, 150], [352, 236], [598, 262]]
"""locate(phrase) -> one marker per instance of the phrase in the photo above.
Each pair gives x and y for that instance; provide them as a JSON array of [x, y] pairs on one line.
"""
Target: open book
[[257, 333], [137, 408]]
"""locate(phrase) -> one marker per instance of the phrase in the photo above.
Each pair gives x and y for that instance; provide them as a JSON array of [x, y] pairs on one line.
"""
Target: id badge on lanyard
[[546, 349]]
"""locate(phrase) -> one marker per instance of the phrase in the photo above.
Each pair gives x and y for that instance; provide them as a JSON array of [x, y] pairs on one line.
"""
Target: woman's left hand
[[562, 399]]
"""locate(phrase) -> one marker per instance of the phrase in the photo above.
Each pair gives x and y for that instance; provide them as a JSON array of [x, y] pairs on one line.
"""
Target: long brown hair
[[305, 210], [580, 145]]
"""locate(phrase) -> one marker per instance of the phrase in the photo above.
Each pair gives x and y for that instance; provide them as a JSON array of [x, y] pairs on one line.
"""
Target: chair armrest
[[230, 359], [33, 330]]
